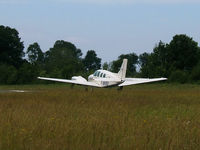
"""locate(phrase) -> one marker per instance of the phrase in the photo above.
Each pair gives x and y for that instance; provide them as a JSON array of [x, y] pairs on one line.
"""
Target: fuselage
[[105, 78]]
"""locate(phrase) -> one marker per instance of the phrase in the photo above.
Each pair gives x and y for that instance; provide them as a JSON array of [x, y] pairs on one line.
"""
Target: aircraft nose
[[90, 77]]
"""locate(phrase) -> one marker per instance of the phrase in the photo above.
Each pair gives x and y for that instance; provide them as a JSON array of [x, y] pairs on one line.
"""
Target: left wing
[[80, 81], [132, 81]]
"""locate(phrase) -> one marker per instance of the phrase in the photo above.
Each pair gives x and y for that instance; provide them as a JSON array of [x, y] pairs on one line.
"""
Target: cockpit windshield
[[95, 74]]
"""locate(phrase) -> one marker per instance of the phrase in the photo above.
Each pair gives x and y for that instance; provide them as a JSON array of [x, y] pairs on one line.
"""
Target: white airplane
[[104, 78]]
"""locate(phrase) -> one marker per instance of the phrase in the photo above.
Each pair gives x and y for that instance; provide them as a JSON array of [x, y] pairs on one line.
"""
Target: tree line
[[178, 60]]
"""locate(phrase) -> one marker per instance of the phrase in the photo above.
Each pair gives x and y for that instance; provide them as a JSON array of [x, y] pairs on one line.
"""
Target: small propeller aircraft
[[104, 78]]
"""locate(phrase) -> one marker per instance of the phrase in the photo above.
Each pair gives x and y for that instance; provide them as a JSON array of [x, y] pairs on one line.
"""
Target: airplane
[[104, 78]]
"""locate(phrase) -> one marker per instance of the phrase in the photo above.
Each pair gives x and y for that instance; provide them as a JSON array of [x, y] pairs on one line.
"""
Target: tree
[[131, 66], [143, 59], [11, 47], [146, 64], [195, 74], [105, 66], [27, 73], [178, 58], [154, 64], [183, 53], [63, 60], [8, 74], [160, 54], [35, 54], [178, 76], [91, 61]]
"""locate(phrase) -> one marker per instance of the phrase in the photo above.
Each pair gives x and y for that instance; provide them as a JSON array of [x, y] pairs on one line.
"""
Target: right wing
[[79, 82], [132, 81]]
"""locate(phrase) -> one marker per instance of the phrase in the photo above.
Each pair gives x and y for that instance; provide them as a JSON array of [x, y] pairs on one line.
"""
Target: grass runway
[[141, 117]]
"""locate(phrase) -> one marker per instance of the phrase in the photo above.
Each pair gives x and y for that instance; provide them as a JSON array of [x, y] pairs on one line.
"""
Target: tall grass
[[157, 116]]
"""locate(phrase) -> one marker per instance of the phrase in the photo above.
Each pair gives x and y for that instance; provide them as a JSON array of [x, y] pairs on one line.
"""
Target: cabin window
[[104, 75], [101, 75], [98, 74]]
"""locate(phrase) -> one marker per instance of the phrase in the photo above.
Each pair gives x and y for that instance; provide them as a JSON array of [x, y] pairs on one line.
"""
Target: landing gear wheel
[[120, 88]]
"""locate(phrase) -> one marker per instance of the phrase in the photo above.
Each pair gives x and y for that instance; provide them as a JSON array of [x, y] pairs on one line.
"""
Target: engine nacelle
[[79, 78]]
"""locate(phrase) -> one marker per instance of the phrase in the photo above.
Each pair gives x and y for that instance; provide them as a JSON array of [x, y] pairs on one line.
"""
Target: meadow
[[140, 117]]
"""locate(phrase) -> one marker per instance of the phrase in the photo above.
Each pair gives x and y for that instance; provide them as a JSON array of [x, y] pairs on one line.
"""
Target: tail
[[122, 71]]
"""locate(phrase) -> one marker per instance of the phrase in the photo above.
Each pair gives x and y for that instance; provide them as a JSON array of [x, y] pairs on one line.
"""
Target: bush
[[8, 74], [195, 75], [178, 76], [27, 73]]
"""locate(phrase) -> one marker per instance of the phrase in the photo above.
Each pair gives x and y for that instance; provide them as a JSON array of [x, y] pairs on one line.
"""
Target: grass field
[[142, 117]]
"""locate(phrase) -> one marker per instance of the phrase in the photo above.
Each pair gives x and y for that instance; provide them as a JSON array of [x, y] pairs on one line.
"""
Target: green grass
[[153, 116]]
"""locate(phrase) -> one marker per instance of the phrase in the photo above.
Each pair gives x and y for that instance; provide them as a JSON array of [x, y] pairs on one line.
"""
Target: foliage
[[35, 54], [27, 73], [11, 47], [91, 61], [8, 74], [105, 66], [179, 57], [131, 66], [178, 76], [177, 60], [63, 60], [195, 74], [183, 53]]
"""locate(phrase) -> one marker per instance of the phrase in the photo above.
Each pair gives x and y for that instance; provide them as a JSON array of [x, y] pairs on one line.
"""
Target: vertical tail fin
[[122, 71]]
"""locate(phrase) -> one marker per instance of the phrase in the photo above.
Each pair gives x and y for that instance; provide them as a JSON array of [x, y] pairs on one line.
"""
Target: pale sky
[[110, 27]]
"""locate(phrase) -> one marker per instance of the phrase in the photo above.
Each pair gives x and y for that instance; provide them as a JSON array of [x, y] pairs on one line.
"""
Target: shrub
[[8, 74], [178, 76], [195, 75]]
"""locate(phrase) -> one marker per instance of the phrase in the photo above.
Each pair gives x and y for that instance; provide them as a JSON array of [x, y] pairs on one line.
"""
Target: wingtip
[[164, 78]]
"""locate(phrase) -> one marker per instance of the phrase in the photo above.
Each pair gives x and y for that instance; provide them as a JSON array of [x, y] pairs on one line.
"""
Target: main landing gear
[[72, 86], [120, 88]]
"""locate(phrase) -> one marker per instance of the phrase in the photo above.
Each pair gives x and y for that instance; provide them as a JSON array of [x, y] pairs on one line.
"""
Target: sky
[[110, 27]]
